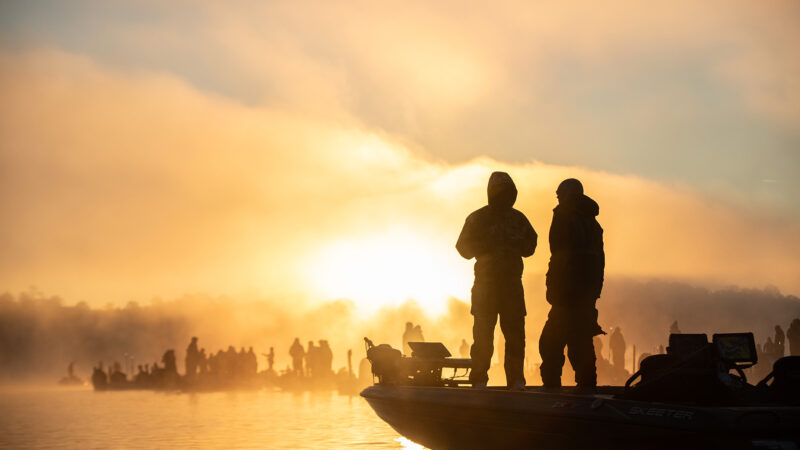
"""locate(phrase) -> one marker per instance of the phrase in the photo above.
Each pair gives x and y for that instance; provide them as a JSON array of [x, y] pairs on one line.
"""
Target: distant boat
[[70, 379]]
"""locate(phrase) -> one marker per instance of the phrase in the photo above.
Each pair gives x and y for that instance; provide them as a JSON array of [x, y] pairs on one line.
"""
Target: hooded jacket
[[498, 237], [577, 261]]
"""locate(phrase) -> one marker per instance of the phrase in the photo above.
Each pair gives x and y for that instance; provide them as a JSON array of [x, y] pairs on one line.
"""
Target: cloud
[[119, 185], [687, 92]]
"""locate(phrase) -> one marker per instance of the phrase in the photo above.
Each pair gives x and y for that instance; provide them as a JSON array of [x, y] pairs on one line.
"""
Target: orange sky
[[139, 175]]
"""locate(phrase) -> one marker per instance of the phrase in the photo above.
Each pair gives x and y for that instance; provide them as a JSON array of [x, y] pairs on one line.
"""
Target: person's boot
[[479, 385], [551, 383], [518, 385]]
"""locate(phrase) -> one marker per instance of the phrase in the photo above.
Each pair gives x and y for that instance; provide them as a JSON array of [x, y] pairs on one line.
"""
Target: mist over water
[[41, 334]]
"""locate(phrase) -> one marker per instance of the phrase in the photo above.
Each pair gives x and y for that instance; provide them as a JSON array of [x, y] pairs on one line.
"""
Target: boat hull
[[443, 418]]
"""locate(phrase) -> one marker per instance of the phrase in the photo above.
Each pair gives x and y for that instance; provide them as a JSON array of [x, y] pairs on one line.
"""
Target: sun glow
[[390, 268]]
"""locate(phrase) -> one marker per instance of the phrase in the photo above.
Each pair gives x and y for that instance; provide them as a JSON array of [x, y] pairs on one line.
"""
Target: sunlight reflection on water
[[142, 419], [409, 444]]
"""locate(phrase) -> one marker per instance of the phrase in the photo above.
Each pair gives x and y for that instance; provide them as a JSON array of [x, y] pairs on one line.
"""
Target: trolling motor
[[423, 368]]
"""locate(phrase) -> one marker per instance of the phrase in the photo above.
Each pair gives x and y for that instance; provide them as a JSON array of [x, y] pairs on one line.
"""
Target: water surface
[[81, 418]]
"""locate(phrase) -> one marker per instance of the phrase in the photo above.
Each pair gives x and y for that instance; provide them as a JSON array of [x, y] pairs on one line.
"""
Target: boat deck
[[496, 417]]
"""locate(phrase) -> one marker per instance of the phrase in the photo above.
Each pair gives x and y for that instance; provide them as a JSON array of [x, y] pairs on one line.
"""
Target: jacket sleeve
[[527, 244], [470, 243]]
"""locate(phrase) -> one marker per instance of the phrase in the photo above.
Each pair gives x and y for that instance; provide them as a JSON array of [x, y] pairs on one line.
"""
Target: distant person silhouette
[[240, 363], [498, 237], [768, 357], [312, 360], [574, 281], [350, 362], [297, 353], [215, 363], [117, 377], [99, 377], [140, 375], [417, 334], [463, 350], [169, 361], [618, 346], [408, 336], [769, 347], [271, 359], [793, 336], [202, 361], [251, 362], [229, 358], [191, 362], [780, 341], [325, 357]]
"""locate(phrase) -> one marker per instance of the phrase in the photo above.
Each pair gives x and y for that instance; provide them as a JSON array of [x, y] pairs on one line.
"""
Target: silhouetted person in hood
[[498, 237], [574, 281]]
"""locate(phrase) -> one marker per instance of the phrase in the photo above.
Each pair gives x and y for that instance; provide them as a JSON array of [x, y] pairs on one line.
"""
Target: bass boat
[[695, 396]]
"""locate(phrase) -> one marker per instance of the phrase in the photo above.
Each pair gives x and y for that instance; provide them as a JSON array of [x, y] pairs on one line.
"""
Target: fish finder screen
[[736, 347]]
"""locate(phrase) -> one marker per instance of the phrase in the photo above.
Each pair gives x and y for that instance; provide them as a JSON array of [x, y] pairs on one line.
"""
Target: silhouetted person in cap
[[324, 358], [574, 281], [498, 237]]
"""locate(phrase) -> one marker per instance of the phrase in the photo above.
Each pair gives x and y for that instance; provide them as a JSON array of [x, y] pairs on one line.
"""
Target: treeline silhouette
[[40, 335], [645, 310]]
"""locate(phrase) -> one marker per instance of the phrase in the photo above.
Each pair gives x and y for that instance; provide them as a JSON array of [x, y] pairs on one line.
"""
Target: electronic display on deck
[[736, 347], [429, 349]]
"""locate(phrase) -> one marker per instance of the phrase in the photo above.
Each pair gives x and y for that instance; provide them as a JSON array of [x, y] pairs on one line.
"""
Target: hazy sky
[[161, 147]]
